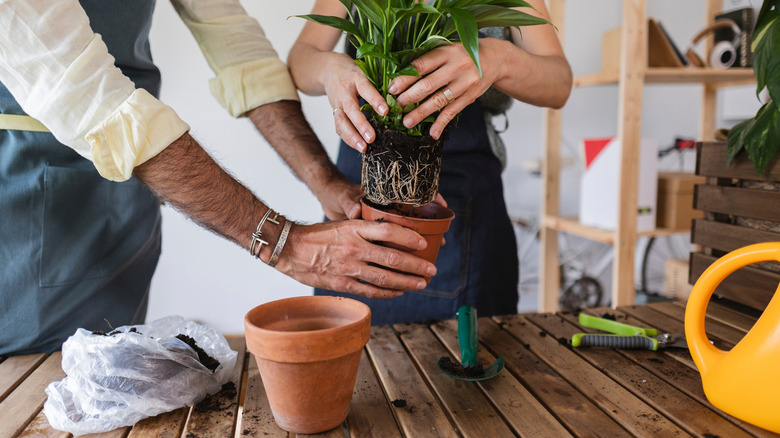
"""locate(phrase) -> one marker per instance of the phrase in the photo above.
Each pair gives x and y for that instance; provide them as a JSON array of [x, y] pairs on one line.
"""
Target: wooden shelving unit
[[631, 77]]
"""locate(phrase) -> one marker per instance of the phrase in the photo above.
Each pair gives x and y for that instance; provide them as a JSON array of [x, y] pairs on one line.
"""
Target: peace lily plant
[[390, 34], [402, 165]]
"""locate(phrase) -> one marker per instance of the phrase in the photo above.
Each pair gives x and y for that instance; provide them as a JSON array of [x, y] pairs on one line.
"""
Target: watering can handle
[[704, 354]]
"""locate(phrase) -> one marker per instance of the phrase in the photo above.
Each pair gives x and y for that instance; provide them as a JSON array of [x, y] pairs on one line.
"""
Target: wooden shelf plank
[[572, 225], [669, 75]]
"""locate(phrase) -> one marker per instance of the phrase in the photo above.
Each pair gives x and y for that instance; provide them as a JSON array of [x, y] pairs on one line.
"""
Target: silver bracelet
[[280, 243], [257, 236]]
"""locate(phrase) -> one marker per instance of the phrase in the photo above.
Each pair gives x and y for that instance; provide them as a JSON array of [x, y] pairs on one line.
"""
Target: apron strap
[[21, 123]]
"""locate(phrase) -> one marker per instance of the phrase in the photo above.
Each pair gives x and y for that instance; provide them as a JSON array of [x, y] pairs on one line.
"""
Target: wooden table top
[[547, 389]]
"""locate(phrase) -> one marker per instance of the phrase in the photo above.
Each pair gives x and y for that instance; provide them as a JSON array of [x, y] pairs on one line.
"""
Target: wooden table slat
[[14, 369], [687, 378], [521, 410], [464, 401], [216, 415], [713, 327], [370, 413], [646, 317], [165, 425], [548, 388], [631, 412], [575, 411], [40, 428], [671, 402], [24, 403], [121, 432], [422, 416], [257, 418], [740, 321]]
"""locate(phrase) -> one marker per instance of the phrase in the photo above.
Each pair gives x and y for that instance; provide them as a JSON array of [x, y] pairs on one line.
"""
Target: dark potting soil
[[459, 370], [219, 400], [399, 403], [204, 358], [401, 167]]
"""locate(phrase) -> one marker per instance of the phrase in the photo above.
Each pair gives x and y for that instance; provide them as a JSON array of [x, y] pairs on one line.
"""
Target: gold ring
[[448, 94], [336, 109]]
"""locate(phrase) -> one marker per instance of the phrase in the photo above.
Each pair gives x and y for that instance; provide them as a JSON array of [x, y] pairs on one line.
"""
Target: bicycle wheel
[[657, 251], [584, 293]]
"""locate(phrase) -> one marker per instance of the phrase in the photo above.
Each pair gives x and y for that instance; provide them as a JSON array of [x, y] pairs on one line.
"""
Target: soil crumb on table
[[459, 370], [219, 400], [204, 358], [399, 403]]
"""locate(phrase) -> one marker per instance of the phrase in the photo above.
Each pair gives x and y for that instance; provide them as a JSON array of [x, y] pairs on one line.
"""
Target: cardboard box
[[676, 279], [661, 50], [599, 191], [675, 200]]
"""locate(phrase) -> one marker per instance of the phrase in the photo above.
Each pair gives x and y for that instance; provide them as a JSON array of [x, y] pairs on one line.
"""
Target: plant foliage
[[390, 34], [760, 136]]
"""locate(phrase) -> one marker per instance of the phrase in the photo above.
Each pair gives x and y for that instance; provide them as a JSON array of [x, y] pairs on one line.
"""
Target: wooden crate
[[740, 208], [675, 200]]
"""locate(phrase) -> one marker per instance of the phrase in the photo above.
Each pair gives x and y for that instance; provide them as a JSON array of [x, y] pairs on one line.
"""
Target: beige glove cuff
[[136, 131], [242, 87]]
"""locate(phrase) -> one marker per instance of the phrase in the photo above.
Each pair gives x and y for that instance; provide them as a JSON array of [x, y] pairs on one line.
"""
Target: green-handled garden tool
[[624, 336], [468, 340]]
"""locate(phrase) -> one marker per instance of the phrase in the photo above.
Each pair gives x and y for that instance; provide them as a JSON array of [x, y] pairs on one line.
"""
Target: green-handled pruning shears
[[624, 336]]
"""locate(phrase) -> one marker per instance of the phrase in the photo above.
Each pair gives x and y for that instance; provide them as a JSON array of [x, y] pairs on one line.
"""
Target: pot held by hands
[[308, 352], [431, 221]]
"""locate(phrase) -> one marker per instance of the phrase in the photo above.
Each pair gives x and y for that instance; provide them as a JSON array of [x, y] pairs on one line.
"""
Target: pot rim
[[448, 214], [308, 345]]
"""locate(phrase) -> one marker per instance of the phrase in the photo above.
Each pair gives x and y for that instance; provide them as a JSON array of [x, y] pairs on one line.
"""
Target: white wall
[[203, 277]]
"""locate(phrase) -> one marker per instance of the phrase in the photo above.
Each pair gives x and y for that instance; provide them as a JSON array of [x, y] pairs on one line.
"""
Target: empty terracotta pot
[[431, 221], [308, 351]]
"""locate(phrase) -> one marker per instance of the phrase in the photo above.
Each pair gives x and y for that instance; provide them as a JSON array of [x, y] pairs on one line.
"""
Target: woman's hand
[[449, 81], [340, 256], [345, 84]]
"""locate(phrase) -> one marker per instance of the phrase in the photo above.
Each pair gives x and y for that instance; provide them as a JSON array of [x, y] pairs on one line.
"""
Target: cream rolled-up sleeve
[[60, 72], [248, 70]]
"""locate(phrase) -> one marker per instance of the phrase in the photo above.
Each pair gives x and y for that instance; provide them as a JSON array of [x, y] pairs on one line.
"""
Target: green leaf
[[409, 70], [761, 139], [417, 8], [766, 59], [371, 10], [407, 56], [736, 139], [468, 33], [495, 16], [337, 22]]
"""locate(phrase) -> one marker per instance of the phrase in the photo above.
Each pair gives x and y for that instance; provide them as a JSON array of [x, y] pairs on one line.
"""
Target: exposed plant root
[[399, 168]]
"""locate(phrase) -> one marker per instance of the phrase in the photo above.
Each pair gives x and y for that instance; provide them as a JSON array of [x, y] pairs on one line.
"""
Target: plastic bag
[[135, 372]]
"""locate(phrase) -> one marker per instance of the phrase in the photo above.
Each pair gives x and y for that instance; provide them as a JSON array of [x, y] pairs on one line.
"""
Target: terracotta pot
[[431, 221], [308, 351]]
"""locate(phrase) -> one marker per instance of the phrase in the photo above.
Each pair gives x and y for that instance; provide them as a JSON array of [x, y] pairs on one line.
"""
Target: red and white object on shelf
[[600, 201]]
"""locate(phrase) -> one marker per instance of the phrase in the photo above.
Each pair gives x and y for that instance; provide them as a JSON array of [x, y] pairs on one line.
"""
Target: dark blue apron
[[76, 250], [478, 266]]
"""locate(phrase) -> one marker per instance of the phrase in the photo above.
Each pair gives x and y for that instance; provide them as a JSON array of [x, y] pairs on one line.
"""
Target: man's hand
[[340, 199], [340, 256]]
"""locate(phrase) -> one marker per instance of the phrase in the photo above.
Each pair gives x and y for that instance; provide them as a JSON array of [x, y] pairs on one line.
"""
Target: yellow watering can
[[742, 382]]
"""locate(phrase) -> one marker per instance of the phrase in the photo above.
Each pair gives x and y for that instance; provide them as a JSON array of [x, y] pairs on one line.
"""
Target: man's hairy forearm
[[186, 177], [284, 126]]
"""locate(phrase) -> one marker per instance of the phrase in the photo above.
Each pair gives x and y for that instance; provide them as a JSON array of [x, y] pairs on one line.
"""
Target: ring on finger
[[448, 94], [335, 110]]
